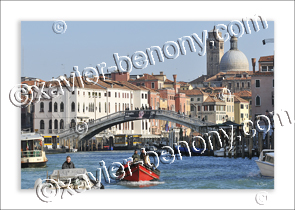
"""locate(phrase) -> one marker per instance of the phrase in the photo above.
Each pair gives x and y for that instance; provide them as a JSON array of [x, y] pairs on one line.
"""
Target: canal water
[[198, 172]]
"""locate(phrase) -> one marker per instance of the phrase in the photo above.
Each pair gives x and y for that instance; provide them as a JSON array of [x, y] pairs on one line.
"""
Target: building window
[[78, 107], [78, 92], [42, 125], [242, 106], [229, 85], [73, 106], [264, 68], [242, 116], [153, 85], [73, 123], [248, 84], [55, 124], [62, 107], [221, 45], [146, 125], [132, 126], [242, 84], [61, 124], [273, 83], [192, 99], [109, 94], [55, 107], [89, 94], [258, 102], [142, 125], [192, 108], [99, 107], [41, 107], [115, 94], [50, 124], [145, 96], [257, 82], [50, 107], [238, 84], [99, 95], [142, 95], [198, 99], [206, 118]]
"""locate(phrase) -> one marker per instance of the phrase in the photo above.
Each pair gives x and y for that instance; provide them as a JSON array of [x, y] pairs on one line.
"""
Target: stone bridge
[[105, 122]]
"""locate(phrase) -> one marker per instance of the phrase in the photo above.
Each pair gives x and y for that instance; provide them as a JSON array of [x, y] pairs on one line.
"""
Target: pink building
[[262, 86]]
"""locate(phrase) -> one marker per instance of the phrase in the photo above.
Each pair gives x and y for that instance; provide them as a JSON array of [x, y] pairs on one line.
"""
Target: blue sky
[[46, 54]]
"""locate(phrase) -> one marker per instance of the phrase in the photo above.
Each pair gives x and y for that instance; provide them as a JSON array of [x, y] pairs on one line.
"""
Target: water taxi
[[266, 162], [32, 154], [139, 171]]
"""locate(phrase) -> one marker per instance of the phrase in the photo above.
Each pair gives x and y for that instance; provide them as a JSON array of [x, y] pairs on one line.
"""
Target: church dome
[[234, 59]]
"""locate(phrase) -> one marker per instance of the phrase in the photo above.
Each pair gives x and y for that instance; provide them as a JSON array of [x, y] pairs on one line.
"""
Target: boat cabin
[[31, 146]]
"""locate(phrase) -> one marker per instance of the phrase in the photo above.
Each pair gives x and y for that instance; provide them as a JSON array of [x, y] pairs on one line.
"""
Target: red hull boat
[[139, 173]]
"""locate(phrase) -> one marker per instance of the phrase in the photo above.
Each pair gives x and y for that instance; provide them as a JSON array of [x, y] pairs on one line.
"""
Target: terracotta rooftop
[[243, 93], [212, 99], [199, 79], [147, 77], [131, 86], [238, 99], [168, 81], [193, 92], [213, 78], [269, 58]]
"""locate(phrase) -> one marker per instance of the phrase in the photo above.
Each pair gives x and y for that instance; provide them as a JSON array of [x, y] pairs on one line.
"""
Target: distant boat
[[32, 154], [266, 162], [220, 152]]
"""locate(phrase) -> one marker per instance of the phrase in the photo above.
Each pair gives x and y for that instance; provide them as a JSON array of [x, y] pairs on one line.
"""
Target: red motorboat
[[139, 172]]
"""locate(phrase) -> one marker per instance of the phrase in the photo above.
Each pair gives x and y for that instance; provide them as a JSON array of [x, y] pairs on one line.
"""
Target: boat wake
[[254, 174], [140, 183]]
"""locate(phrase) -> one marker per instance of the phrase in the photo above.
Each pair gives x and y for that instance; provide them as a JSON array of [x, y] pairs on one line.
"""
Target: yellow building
[[241, 111]]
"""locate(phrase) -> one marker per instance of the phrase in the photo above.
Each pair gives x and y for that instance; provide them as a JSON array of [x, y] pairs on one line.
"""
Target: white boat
[[32, 154], [220, 152], [74, 150], [266, 162], [74, 178]]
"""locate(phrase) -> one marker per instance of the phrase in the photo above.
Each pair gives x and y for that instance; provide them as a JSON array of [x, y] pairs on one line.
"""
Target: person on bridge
[[68, 164], [135, 156]]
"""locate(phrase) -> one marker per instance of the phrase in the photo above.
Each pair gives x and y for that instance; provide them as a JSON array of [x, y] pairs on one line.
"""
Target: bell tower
[[215, 51]]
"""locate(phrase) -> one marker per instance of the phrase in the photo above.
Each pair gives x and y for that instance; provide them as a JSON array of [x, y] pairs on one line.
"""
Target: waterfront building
[[241, 111], [262, 86], [246, 95], [88, 103]]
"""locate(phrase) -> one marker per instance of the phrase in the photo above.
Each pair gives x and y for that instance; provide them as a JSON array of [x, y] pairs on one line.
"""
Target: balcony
[[41, 131], [49, 130]]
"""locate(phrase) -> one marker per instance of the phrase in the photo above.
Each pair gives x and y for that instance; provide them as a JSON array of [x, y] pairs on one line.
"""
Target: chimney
[[161, 73], [253, 64]]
